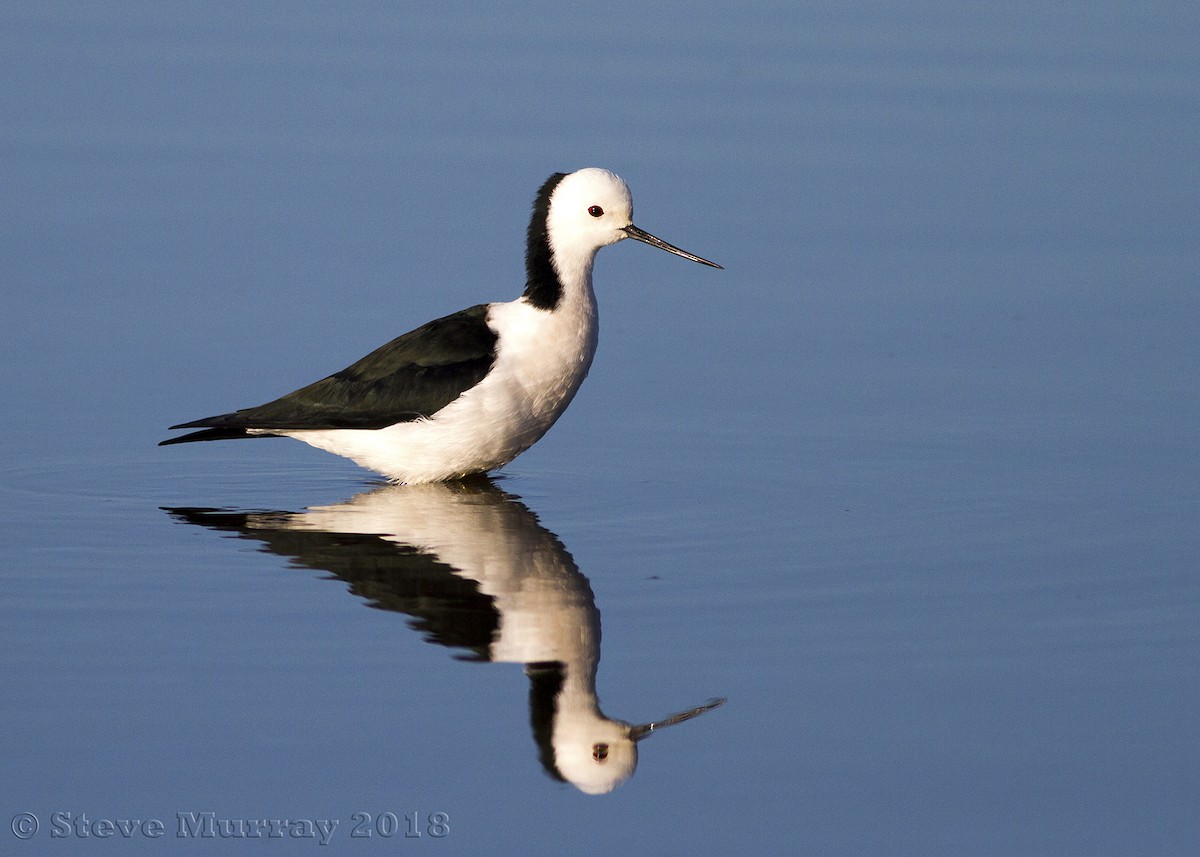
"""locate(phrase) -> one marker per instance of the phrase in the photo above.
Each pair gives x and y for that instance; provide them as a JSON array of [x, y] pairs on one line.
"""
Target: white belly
[[541, 360]]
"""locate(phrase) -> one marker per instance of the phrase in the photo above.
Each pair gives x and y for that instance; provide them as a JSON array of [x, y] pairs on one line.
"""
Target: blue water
[[913, 483]]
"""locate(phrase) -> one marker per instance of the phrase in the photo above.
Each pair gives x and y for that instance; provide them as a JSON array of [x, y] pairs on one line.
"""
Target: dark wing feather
[[413, 376]]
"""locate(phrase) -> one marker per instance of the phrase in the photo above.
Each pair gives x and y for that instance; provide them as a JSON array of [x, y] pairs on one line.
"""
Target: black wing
[[413, 376]]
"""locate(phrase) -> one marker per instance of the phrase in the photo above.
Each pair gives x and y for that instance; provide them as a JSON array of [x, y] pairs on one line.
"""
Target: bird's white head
[[589, 209], [592, 208]]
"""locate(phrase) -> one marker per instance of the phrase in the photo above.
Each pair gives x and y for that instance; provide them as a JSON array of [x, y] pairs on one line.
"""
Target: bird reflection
[[475, 571]]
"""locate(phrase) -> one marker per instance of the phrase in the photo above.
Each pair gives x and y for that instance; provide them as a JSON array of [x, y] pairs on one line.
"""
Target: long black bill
[[642, 235], [637, 733]]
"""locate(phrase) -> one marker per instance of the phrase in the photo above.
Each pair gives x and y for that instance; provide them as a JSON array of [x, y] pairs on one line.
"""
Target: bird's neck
[[554, 280], [558, 272]]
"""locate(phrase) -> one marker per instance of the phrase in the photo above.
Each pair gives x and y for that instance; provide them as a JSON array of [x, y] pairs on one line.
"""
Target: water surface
[[912, 483]]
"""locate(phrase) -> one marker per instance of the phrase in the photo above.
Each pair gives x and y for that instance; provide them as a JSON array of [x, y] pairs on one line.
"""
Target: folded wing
[[413, 376]]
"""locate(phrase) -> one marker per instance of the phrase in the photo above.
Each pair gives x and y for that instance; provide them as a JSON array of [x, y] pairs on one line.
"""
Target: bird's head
[[592, 208]]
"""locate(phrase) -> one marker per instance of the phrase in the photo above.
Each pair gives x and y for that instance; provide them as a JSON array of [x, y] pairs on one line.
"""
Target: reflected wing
[[413, 376], [445, 607]]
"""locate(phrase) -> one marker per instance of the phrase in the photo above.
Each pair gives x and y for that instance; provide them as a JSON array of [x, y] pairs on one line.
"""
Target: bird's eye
[[596, 211], [600, 751]]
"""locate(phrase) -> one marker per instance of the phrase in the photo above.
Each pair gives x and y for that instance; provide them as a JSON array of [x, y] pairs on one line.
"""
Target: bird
[[477, 572], [465, 394]]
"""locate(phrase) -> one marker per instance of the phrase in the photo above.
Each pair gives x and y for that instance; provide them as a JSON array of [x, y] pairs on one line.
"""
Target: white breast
[[542, 358]]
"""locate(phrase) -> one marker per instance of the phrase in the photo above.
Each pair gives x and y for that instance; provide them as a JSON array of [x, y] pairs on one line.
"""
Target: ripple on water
[[120, 481]]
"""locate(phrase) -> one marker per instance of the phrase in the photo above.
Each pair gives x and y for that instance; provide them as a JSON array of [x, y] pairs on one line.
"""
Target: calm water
[[913, 484]]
